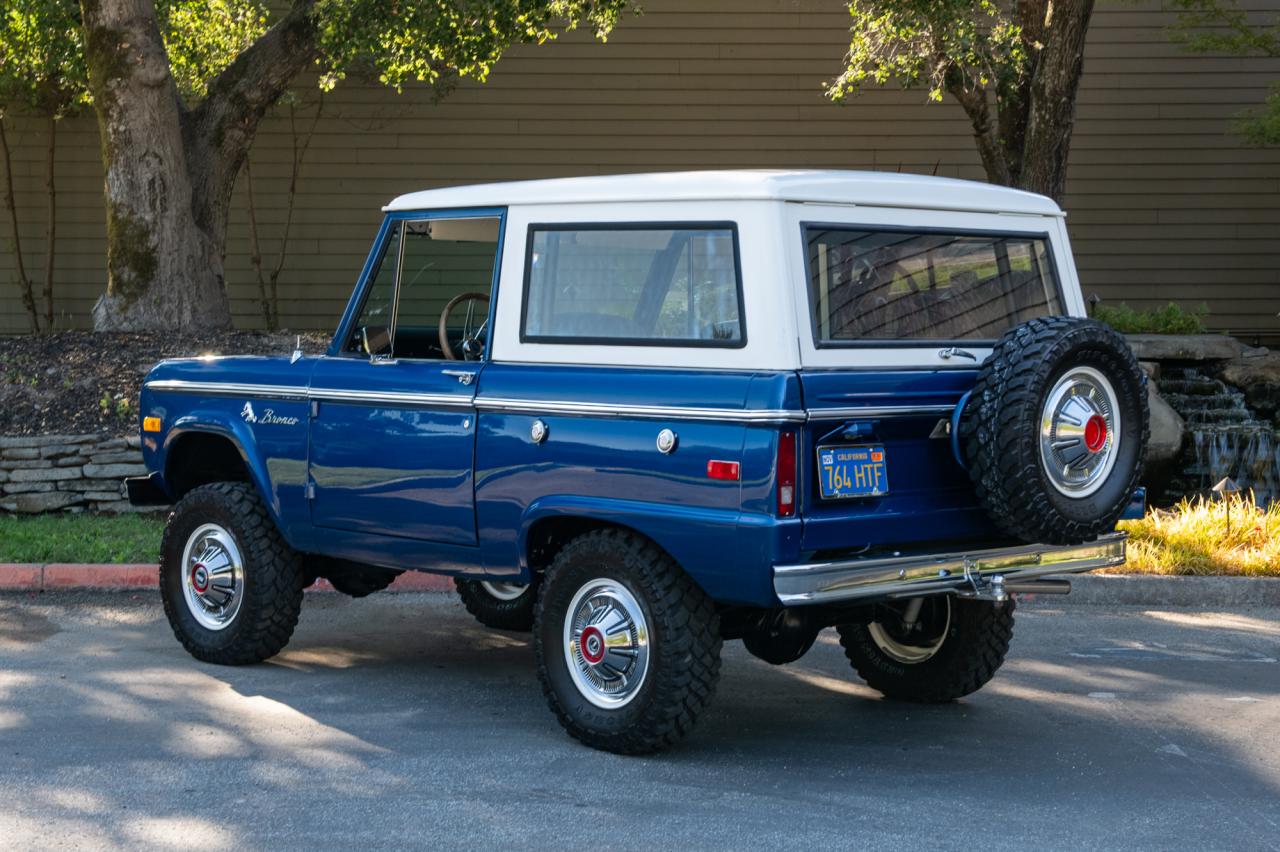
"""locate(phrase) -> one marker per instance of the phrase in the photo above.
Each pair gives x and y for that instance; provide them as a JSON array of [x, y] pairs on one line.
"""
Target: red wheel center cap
[[1095, 433], [200, 578], [592, 645]]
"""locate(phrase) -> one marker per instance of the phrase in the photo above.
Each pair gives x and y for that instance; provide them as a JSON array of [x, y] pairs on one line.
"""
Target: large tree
[[1013, 65], [171, 161]]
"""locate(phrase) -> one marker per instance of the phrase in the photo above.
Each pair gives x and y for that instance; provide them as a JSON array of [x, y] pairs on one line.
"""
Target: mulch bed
[[78, 382]]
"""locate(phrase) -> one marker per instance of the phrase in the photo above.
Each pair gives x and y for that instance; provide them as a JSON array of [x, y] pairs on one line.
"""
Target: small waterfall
[[1226, 438]]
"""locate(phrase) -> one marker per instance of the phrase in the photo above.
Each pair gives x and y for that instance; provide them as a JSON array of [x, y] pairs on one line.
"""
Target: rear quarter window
[[642, 284], [870, 284]]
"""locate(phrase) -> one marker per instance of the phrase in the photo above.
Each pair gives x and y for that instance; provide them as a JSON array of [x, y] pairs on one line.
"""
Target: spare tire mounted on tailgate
[[1055, 430]]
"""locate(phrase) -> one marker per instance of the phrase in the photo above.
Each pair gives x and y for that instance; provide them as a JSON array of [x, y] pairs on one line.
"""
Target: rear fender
[[694, 537]]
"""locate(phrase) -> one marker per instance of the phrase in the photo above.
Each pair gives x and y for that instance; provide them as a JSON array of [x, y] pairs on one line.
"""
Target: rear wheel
[[628, 646], [230, 585], [933, 649], [502, 606]]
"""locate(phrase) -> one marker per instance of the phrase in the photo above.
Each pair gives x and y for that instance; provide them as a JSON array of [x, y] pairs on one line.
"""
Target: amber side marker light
[[151, 424]]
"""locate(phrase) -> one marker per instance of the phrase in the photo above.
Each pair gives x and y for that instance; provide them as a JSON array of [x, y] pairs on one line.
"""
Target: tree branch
[[977, 107], [223, 126]]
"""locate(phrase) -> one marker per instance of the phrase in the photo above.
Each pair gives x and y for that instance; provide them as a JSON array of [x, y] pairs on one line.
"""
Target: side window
[[633, 284], [439, 296]]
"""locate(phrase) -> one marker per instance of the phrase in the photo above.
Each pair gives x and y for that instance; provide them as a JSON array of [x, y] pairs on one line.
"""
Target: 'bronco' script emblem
[[269, 417]]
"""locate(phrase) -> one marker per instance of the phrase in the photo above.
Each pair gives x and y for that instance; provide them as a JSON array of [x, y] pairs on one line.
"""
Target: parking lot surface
[[395, 722]]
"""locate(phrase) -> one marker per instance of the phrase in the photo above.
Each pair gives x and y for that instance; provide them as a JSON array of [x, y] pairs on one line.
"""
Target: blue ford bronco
[[641, 415]]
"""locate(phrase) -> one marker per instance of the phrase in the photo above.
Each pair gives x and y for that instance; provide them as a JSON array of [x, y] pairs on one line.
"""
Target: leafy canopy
[[428, 41], [1221, 26], [940, 44], [41, 57]]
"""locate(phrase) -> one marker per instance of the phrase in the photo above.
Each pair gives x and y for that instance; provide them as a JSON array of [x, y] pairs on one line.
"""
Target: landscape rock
[[34, 504], [69, 461], [1185, 347], [20, 453], [1259, 378], [26, 487], [11, 442], [114, 471], [1168, 430], [44, 474], [126, 457]]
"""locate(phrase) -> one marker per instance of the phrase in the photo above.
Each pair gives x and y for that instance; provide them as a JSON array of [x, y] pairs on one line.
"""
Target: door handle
[[466, 377], [382, 360]]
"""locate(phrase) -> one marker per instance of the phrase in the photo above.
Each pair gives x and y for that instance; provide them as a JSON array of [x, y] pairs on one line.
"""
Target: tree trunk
[[170, 171], [163, 271], [24, 283], [1051, 108], [51, 229]]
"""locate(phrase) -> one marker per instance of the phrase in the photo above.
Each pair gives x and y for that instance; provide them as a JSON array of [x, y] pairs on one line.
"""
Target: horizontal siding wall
[[1164, 203]]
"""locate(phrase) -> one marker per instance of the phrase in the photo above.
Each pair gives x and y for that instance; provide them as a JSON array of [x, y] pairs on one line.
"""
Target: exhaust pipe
[[1038, 587]]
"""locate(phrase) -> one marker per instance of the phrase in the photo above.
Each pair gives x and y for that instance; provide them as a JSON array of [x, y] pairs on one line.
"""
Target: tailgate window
[[891, 284]]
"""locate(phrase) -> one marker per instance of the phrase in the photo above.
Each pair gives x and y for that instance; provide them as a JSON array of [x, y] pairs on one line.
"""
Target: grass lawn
[[1194, 538], [80, 538]]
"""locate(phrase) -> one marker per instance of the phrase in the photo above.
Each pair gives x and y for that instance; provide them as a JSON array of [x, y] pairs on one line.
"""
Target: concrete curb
[[56, 577], [1086, 590]]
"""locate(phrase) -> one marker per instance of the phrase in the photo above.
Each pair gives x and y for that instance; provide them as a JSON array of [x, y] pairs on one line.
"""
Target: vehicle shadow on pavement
[[397, 707]]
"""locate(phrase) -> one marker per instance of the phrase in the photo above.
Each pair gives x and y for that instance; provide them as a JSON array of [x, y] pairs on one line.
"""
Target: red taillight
[[723, 470], [786, 474]]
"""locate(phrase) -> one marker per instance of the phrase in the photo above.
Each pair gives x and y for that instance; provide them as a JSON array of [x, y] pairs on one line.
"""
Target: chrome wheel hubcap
[[503, 591], [606, 643], [1079, 432], [916, 650], [213, 577]]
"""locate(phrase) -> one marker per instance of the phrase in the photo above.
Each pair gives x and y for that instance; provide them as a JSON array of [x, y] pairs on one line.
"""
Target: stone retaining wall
[[49, 473]]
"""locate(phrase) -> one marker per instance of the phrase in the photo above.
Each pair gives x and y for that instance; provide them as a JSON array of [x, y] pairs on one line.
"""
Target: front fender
[[726, 552]]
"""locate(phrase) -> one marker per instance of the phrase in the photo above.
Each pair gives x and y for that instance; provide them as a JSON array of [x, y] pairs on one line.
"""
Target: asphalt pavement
[[396, 722]]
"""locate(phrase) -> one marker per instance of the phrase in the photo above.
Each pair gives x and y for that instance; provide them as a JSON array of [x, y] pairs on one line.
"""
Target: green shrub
[[1171, 319]]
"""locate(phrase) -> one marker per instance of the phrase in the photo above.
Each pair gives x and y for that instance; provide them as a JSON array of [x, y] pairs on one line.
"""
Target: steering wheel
[[470, 345]]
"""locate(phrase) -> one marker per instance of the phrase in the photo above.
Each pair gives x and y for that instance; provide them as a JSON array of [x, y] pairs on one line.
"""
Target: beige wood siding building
[[1163, 203]]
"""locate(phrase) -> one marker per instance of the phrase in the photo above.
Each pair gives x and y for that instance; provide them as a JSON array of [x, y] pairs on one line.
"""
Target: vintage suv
[[640, 415]]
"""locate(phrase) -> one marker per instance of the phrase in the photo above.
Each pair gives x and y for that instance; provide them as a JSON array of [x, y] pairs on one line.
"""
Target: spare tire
[[1055, 430]]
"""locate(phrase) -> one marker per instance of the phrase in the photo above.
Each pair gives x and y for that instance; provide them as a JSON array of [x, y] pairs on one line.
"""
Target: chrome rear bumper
[[931, 573]]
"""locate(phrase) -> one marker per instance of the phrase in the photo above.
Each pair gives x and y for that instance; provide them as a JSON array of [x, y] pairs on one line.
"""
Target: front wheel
[[231, 586], [628, 646], [932, 649]]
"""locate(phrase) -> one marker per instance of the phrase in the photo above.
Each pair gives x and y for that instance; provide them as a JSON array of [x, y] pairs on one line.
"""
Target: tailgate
[[924, 494]]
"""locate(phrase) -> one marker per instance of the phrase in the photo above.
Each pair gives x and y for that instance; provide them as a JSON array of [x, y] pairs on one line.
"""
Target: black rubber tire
[[999, 430], [274, 577], [975, 647], [515, 615], [684, 643], [354, 579]]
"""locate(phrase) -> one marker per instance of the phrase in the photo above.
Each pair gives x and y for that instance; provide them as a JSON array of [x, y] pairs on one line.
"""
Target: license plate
[[861, 471]]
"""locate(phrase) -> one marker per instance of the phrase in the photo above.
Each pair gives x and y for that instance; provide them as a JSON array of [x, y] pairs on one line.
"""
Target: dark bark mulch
[[78, 382]]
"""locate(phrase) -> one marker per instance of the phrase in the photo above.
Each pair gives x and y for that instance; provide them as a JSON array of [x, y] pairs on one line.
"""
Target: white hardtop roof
[[877, 189]]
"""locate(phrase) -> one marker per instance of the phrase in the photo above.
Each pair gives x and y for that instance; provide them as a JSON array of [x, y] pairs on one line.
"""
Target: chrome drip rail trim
[[933, 573], [228, 389], [646, 412]]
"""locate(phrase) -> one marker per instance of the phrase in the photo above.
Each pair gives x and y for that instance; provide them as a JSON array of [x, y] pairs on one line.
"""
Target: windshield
[[867, 284]]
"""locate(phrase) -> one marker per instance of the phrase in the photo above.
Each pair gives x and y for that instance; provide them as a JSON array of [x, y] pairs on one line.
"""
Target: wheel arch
[[199, 453]]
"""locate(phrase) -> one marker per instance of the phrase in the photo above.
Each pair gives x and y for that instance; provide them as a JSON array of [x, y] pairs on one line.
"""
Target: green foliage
[[972, 44], [1221, 26], [429, 41], [1171, 319], [42, 65], [203, 37], [80, 538]]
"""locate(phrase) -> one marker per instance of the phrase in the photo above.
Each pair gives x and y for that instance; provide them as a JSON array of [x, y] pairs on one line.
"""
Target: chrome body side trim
[[542, 407], [933, 573], [647, 412], [864, 411], [228, 389], [434, 400]]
